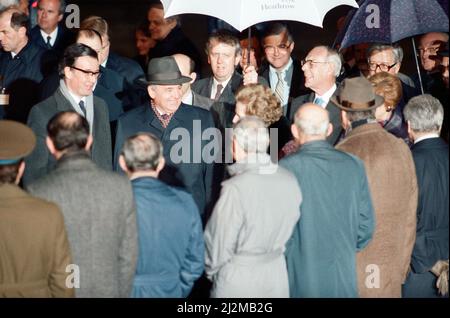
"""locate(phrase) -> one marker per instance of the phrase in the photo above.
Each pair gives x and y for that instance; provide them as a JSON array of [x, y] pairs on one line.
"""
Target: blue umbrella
[[387, 21], [398, 19]]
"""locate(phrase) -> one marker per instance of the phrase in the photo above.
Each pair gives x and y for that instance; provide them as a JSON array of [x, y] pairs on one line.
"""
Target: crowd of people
[[272, 177]]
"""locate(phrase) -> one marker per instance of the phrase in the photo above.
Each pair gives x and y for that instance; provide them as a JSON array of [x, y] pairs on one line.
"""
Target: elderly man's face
[[223, 60], [82, 76], [10, 39], [166, 97], [48, 15], [428, 47], [316, 69], [158, 26], [278, 50], [383, 61]]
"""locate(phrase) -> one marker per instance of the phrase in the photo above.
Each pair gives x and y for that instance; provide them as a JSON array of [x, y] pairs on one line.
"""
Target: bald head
[[312, 122], [186, 66]]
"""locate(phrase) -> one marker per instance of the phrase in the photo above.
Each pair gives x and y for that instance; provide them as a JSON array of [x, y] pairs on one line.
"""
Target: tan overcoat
[[382, 266]]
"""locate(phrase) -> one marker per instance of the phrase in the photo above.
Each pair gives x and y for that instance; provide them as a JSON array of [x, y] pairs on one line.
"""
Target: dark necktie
[[218, 92], [83, 108], [49, 45]]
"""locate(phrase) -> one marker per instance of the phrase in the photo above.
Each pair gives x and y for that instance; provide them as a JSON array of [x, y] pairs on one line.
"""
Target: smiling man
[[281, 70], [179, 127], [79, 70], [321, 67]]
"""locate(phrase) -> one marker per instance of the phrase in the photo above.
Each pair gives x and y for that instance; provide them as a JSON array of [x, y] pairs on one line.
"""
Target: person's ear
[[151, 92], [67, 72], [123, 164], [345, 121], [237, 59], [295, 132], [60, 17], [330, 129], [89, 142], [50, 145], [20, 172], [161, 165], [193, 75], [291, 48]]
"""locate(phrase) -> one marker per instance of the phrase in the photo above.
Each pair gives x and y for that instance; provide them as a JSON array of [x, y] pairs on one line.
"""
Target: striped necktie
[[279, 89]]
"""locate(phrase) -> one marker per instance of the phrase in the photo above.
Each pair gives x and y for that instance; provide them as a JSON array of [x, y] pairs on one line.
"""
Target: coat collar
[[316, 145], [11, 191], [430, 143], [366, 128], [75, 160], [253, 162]]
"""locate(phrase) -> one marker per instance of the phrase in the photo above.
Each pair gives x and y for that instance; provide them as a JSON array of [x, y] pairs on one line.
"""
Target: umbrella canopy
[[398, 19], [242, 14]]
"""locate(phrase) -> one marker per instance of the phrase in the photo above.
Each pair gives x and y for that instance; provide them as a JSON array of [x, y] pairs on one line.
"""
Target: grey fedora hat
[[357, 94], [164, 71]]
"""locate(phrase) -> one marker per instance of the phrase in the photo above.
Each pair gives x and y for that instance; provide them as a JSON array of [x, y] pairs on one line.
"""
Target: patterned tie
[[83, 108], [319, 101], [219, 88], [279, 89], [49, 45]]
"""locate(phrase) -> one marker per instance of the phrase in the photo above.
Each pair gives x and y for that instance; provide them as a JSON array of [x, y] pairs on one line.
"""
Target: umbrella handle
[[417, 64]]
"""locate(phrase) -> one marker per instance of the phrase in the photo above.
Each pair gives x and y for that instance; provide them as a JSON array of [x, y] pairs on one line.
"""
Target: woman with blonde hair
[[259, 100], [390, 87]]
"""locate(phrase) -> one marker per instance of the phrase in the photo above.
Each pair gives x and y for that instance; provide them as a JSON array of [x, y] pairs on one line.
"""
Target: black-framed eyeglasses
[[90, 73], [281, 47], [311, 62], [383, 67]]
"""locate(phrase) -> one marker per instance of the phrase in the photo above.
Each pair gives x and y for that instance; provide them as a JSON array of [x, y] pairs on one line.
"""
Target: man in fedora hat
[[179, 127], [383, 265], [34, 250]]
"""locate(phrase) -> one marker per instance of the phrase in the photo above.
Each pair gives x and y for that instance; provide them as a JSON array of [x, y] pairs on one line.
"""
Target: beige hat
[[16, 141], [357, 94]]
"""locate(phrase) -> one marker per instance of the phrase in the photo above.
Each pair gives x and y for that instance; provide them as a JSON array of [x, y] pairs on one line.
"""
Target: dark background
[[124, 16]]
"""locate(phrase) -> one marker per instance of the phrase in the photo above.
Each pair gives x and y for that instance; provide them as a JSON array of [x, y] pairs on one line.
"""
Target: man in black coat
[[282, 71], [50, 32], [424, 115], [187, 150], [80, 70], [20, 65], [169, 37], [321, 67]]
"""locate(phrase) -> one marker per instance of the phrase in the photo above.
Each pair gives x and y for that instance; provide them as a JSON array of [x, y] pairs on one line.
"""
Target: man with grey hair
[[172, 214], [393, 185], [321, 67], [252, 221], [388, 58], [322, 263], [424, 115]]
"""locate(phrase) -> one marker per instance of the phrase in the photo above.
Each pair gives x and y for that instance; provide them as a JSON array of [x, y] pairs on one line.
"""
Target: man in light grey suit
[[321, 67], [98, 210], [187, 68], [79, 69]]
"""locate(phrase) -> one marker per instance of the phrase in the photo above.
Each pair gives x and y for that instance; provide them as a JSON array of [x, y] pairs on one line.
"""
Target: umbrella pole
[[249, 45], [417, 64]]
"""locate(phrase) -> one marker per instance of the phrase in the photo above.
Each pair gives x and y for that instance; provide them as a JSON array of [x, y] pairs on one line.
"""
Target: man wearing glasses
[[321, 67], [388, 58], [281, 70], [79, 70]]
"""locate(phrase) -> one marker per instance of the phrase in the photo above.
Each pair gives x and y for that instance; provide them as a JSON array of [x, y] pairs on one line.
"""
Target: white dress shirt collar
[[53, 36]]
